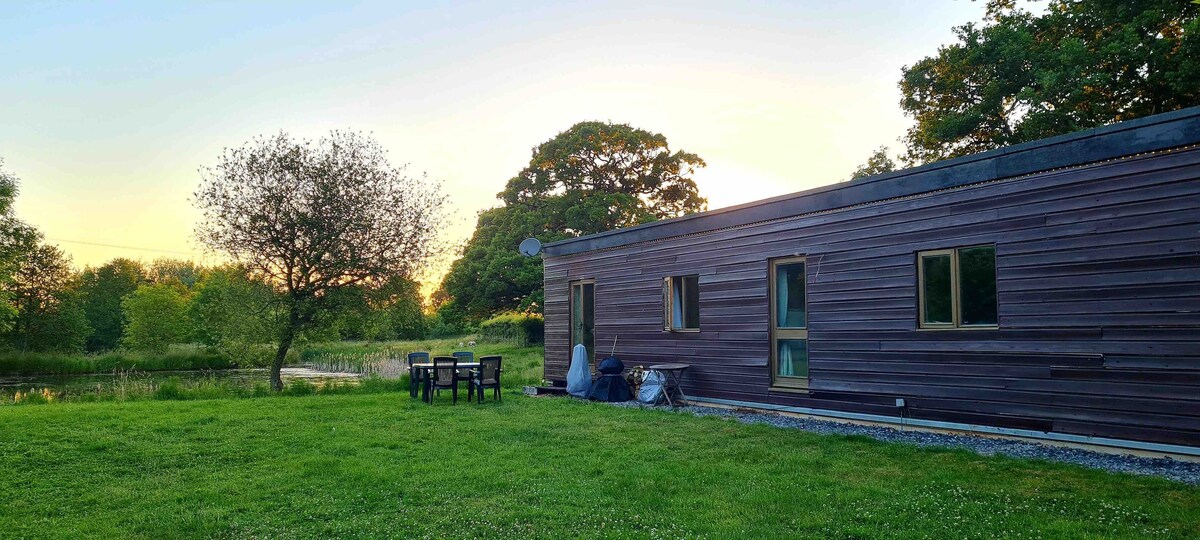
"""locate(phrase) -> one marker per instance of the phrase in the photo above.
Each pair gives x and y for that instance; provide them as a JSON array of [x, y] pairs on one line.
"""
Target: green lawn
[[382, 465]]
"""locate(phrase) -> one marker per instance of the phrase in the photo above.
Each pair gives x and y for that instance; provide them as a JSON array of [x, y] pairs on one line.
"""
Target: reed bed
[[139, 386]]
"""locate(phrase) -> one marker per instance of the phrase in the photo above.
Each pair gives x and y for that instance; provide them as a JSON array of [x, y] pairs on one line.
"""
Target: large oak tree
[[311, 218], [593, 177]]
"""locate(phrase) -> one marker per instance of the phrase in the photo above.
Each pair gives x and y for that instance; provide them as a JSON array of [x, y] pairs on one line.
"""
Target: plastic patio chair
[[414, 375], [443, 376], [463, 358], [487, 375]]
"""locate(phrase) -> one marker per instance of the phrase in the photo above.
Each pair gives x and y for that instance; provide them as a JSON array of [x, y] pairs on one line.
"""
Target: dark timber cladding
[[1097, 275]]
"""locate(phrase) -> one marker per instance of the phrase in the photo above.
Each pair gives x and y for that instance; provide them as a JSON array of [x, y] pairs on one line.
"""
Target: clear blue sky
[[107, 110]]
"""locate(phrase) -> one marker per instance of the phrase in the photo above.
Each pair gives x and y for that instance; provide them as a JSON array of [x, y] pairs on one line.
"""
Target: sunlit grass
[[386, 466]]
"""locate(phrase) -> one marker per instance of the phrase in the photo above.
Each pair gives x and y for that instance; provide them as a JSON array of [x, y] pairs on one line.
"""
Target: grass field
[[382, 465]]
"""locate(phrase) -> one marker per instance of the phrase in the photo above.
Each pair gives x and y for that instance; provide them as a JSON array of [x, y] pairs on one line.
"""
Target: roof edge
[[1141, 135]]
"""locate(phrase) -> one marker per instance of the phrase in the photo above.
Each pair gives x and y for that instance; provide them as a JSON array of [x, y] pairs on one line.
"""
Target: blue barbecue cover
[[611, 366], [611, 386]]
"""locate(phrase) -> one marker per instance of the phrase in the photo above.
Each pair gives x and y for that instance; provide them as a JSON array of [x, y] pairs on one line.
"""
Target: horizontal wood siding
[[1098, 273]]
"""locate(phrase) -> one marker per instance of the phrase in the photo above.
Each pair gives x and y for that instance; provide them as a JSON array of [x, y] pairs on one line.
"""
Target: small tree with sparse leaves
[[310, 218]]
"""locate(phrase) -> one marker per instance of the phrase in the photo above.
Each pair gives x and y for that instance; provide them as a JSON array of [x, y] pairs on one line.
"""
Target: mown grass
[[180, 357], [386, 466]]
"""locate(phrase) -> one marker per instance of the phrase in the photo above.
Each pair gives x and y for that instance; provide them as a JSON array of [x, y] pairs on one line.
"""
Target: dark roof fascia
[[1147, 134]]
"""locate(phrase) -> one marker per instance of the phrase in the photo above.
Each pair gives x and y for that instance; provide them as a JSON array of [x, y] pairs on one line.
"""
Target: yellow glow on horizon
[[106, 124]]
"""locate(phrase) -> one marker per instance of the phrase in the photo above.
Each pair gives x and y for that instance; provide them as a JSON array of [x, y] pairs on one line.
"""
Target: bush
[[436, 327], [522, 328]]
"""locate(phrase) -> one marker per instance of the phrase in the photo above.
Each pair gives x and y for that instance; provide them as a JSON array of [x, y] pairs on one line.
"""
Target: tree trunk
[[285, 343]]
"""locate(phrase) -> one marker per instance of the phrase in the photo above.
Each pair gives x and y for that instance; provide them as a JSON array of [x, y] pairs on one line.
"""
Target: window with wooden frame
[[789, 322], [681, 304], [956, 288]]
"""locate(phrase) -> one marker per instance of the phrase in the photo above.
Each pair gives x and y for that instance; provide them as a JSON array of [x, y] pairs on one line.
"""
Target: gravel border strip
[[1187, 472]]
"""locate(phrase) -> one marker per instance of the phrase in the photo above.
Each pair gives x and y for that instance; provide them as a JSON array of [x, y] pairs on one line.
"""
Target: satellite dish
[[530, 247]]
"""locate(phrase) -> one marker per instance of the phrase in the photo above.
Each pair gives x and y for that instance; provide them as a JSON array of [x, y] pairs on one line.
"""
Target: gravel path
[[1187, 472]]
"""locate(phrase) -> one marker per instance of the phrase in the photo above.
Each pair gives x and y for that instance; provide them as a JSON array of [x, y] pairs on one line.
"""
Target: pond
[[98, 382]]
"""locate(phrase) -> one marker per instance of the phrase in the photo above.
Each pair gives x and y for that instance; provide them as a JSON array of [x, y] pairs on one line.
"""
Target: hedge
[[524, 328]]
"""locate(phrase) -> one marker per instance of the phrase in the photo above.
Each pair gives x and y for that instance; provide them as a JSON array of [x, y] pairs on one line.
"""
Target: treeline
[[148, 307]]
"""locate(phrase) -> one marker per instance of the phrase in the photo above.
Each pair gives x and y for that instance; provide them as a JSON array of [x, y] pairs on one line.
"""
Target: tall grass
[[388, 359], [132, 386], [181, 357], [177, 358]]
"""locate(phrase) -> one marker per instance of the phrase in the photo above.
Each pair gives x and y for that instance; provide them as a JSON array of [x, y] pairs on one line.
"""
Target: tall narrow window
[[957, 288], [681, 303], [789, 322]]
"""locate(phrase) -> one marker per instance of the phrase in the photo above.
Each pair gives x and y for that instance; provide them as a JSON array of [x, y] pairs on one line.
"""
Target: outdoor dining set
[[446, 372]]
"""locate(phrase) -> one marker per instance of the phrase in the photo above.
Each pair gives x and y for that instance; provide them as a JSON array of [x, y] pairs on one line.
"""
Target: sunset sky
[[106, 112]]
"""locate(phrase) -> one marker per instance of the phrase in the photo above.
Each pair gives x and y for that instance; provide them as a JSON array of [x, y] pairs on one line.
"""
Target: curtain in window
[[781, 297], [676, 303], [785, 359]]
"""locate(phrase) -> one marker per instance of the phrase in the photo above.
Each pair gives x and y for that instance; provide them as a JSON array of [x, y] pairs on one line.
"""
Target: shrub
[[523, 328], [436, 327]]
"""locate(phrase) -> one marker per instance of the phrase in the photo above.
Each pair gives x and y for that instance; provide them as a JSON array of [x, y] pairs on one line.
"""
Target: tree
[[598, 176], [173, 272], [102, 290], [593, 177], [1018, 76], [878, 163], [491, 276], [17, 240], [233, 312], [49, 315], [310, 218], [156, 318], [396, 307]]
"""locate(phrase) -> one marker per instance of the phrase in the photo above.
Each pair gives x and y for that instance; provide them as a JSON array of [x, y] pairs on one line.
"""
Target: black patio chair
[[463, 358], [487, 375], [443, 376], [414, 374]]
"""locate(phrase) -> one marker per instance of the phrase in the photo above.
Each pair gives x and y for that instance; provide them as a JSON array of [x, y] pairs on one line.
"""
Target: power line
[[98, 244]]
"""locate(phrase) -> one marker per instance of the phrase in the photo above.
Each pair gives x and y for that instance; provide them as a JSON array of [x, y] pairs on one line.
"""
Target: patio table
[[426, 366], [671, 373]]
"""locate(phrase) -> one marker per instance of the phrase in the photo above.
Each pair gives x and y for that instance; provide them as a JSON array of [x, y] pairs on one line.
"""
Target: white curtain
[[783, 351], [785, 360], [676, 303], [781, 298]]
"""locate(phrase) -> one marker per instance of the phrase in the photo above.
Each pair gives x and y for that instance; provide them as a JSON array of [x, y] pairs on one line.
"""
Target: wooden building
[[1048, 289]]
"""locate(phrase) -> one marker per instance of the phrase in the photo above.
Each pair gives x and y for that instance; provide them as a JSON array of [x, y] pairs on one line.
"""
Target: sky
[[107, 110]]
